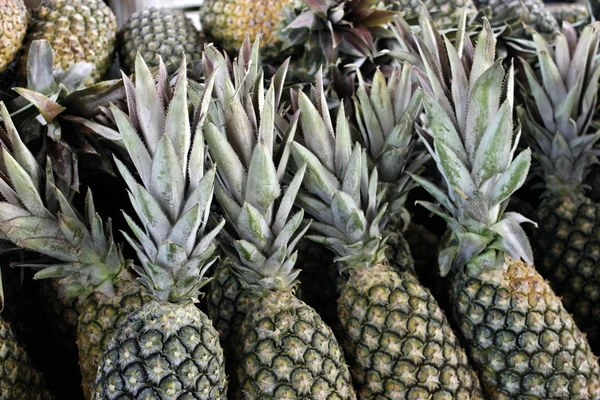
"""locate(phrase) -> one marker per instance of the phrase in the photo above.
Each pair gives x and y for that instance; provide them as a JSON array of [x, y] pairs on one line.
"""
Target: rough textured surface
[[77, 30], [13, 25], [61, 312], [522, 340], [567, 253], [18, 379], [226, 21], [398, 341], [541, 19], [99, 317], [285, 351], [158, 32], [163, 351]]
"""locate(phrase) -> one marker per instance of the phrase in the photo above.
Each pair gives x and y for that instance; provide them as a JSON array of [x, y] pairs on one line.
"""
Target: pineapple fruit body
[[13, 25], [521, 338], [399, 342], [567, 250], [155, 32], [100, 316], [286, 351], [77, 30], [19, 380], [163, 351]]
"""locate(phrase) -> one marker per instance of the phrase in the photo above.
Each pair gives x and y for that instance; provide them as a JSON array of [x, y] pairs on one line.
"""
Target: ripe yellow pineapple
[[13, 25]]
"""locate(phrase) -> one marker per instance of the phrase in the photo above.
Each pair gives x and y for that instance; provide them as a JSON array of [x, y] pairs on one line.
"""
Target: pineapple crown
[[53, 97], [173, 194], [558, 111], [88, 259], [333, 29], [386, 113], [251, 164], [340, 193], [473, 146]]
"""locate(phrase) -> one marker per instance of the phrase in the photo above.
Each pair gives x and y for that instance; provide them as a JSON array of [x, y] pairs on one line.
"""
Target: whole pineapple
[[13, 26], [167, 348], [36, 215], [556, 120], [77, 30], [397, 340], [520, 337], [536, 16], [277, 326], [158, 33]]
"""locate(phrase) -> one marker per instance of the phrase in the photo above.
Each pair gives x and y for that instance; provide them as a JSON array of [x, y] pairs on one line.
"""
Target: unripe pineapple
[[556, 119], [158, 33], [77, 30], [397, 341], [520, 338], [13, 25]]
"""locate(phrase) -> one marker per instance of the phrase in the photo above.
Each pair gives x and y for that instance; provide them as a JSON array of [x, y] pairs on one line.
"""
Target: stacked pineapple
[[345, 156]]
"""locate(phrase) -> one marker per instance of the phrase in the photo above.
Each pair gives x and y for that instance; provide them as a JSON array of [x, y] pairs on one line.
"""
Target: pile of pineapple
[[304, 200]]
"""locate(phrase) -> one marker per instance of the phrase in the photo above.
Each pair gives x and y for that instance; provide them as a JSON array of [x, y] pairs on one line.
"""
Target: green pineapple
[[537, 15], [167, 348], [278, 326], [446, 13], [556, 119], [398, 342], [158, 33], [520, 337], [78, 31], [88, 261]]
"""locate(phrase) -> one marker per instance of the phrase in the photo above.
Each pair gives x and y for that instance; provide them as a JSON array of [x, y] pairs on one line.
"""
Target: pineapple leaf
[[455, 172], [352, 177], [513, 239], [177, 123], [443, 128], [149, 108], [251, 226], [318, 179], [316, 136], [240, 132], [513, 178], [287, 202], [262, 186], [144, 240], [167, 184], [343, 145]]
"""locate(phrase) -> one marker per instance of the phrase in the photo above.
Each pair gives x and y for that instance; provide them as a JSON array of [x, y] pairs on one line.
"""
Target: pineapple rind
[[77, 30], [13, 26], [521, 337], [567, 250], [163, 351], [400, 340], [19, 380], [99, 317], [286, 351], [155, 32]]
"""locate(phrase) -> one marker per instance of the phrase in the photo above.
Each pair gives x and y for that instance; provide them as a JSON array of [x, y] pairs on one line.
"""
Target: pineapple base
[[522, 340], [285, 351], [567, 251], [398, 341], [163, 351]]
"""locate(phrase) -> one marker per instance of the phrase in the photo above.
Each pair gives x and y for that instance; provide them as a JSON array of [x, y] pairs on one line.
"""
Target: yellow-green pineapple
[[158, 33], [167, 348], [520, 338], [77, 30], [13, 26], [556, 116], [397, 341]]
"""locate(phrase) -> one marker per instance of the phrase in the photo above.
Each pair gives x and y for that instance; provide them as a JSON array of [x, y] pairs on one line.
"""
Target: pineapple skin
[[567, 247], [541, 20], [19, 380], [226, 21], [158, 32], [520, 336], [173, 351], [13, 26], [99, 317], [286, 351], [397, 339], [77, 30]]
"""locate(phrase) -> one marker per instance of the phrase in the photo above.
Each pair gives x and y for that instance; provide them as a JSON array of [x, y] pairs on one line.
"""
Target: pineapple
[[283, 348], [398, 342], [167, 348], [556, 117], [574, 13], [537, 15], [520, 337], [158, 32], [78, 31], [315, 32], [90, 264], [446, 13], [13, 26]]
